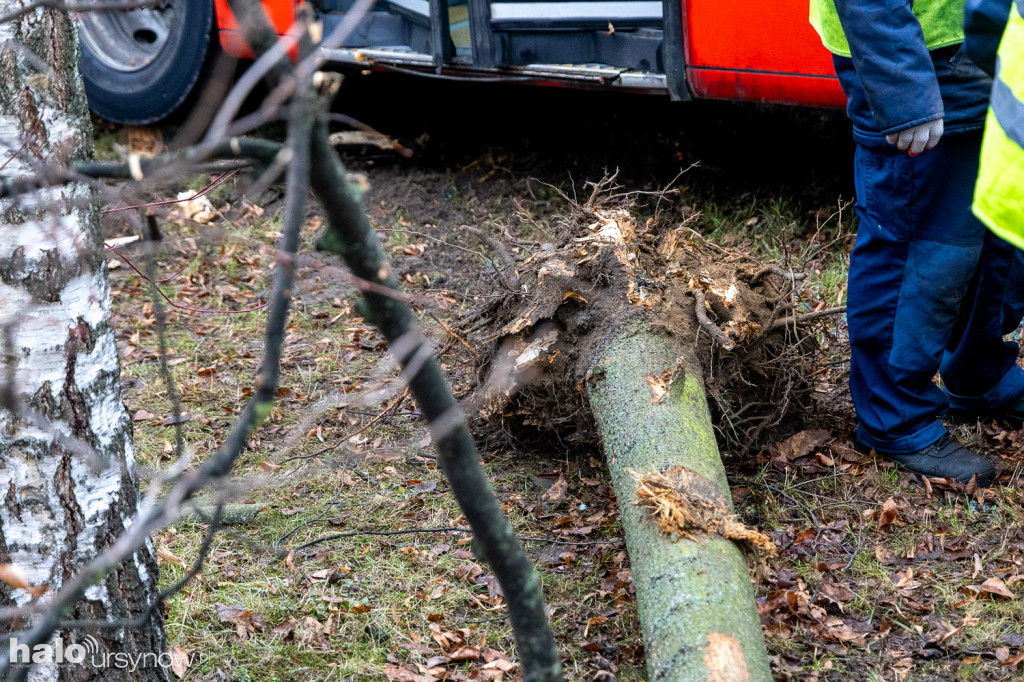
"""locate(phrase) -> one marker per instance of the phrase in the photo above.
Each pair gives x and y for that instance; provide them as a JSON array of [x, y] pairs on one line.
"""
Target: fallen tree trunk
[[696, 601], [627, 333]]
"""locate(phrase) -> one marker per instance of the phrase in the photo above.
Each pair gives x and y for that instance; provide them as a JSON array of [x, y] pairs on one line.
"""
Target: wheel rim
[[130, 40]]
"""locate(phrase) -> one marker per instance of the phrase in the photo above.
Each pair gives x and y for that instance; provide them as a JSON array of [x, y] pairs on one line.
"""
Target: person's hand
[[918, 139]]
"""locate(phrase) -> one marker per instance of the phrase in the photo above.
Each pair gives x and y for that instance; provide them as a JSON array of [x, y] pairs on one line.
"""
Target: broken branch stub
[[685, 505]]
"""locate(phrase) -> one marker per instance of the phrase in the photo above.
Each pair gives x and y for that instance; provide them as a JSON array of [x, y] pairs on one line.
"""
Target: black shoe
[[1011, 414], [944, 458]]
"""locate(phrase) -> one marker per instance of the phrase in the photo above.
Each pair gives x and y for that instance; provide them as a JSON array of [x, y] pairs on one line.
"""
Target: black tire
[[145, 81]]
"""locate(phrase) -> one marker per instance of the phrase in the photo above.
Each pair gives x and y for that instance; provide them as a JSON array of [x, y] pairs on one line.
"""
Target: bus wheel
[[140, 65]]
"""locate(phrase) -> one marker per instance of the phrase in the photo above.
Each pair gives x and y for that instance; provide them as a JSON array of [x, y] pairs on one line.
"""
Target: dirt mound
[[739, 314]]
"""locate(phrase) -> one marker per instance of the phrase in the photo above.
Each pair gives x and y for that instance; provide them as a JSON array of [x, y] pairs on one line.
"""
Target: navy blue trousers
[[930, 291]]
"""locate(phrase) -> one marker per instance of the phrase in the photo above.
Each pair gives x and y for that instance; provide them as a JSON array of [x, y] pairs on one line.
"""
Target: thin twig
[[178, 305], [142, 619], [455, 335], [212, 185], [220, 464], [160, 315], [28, 137]]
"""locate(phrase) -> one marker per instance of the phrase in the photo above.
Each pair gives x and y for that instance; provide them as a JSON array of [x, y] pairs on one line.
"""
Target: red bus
[[140, 65]]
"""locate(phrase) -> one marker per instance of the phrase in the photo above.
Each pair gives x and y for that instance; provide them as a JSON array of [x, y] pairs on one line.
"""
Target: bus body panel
[[761, 51], [280, 12]]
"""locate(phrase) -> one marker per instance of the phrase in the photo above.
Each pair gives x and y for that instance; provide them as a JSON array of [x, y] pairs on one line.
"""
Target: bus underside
[[684, 49]]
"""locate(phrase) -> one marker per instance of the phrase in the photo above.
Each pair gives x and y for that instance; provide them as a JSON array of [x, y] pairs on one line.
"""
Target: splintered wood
[[685, 504]]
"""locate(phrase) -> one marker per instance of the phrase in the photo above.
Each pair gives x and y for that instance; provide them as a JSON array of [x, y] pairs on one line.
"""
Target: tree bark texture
[[697, 609], [68, 479]]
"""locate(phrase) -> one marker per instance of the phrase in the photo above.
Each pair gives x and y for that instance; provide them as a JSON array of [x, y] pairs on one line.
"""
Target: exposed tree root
[[741, 315]]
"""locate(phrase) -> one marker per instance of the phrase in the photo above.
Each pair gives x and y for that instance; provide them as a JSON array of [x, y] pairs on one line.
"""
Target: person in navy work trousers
[[930, 289]]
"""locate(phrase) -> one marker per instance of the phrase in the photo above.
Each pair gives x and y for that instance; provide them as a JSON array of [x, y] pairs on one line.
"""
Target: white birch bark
[[68, 483]]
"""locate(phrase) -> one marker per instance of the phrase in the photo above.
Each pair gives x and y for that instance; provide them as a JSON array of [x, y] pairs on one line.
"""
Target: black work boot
[[1011, 414], [943, 458]]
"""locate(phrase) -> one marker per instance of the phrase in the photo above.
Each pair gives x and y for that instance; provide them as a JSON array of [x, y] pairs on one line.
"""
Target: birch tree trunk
[[68, 480]]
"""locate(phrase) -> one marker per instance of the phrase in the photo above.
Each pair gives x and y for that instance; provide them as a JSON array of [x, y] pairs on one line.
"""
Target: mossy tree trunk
[[697, 609]]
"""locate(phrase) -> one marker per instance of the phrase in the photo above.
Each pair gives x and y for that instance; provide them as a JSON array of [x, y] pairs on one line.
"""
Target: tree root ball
[[741, 315]]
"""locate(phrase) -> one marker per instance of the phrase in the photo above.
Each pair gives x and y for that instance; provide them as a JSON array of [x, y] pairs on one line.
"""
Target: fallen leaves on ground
[[246, 621]]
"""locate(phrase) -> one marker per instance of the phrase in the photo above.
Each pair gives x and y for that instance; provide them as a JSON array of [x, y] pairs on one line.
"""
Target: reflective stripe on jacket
[[941, 21], [999, 194]]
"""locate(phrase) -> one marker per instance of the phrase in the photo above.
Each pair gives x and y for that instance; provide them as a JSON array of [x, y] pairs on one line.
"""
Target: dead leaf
[[993, 586], [396, 674], [438, 590], [887, 517], [556, 492], [903, 667], [285, 631], [883, 555], [163, 554], [246, 621], [596, 620], [309, 632], [142, 415], [465, 653], [844, 633], [179, 661], [799, 445], [427, 487], [835, 593], [1012, 661]]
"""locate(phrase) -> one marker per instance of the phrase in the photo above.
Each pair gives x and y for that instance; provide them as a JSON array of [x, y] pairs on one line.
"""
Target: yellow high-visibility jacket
[[999, 193]]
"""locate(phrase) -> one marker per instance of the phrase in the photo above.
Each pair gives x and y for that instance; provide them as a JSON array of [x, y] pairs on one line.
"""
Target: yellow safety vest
[[999, 194], [941, 20]]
